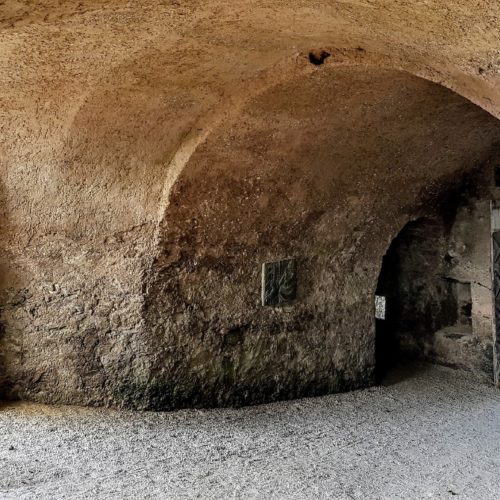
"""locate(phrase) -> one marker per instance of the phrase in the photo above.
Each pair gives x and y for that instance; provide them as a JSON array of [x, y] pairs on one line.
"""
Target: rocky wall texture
[[325, 169], [286, 181], [72, 319], [154, 156]]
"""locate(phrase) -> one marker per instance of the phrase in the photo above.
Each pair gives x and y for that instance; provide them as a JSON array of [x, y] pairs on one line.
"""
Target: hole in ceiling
[[318, 57]]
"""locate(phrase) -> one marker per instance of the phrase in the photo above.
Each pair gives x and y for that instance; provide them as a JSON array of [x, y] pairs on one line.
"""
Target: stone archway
[[436, 284]]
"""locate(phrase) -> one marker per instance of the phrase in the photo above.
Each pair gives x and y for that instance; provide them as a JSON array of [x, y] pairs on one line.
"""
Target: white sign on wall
[[495, 219], [379, 307]]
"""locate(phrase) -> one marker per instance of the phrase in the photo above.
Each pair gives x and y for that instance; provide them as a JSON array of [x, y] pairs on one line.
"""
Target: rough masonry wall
[[470, 252], [102, 106], [71, 317]]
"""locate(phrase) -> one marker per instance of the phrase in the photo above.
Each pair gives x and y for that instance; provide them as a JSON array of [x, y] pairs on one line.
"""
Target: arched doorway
[[418, 301], [432, 284]]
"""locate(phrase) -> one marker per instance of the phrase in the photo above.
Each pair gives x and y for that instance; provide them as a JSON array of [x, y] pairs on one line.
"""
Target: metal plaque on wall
[[279, 282]]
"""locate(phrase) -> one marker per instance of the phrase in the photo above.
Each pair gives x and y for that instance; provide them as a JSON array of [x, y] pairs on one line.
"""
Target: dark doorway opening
[[427, 312]]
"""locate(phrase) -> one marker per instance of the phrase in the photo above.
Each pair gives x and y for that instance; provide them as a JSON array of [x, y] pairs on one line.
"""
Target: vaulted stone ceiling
[[120, 121], [141, 78]]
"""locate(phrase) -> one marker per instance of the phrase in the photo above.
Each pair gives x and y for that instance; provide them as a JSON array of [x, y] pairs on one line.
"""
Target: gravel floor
[[429, 433]]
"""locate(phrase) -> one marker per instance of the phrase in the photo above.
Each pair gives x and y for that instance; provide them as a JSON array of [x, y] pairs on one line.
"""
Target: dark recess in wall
[[429, 310], [419, 300], [497, 175], [318, 57]]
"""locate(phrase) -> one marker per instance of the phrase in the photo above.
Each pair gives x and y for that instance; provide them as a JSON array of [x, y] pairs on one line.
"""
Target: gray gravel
[[430, 433]]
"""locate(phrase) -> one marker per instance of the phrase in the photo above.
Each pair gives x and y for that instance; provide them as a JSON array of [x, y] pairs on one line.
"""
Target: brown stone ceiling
[[107, 93], [62, 52]]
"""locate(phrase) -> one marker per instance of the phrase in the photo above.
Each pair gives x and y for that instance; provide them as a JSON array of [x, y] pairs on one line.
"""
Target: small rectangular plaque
[[379, 307], [279, 282]]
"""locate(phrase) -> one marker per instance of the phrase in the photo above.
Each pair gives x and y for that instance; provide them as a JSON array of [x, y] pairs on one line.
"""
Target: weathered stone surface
[[437, 279], [153, 157]]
